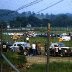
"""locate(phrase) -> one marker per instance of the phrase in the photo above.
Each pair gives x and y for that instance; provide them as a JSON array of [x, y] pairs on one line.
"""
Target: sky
[[63, 7]]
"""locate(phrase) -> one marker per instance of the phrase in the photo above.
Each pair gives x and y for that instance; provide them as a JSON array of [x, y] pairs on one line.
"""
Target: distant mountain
[[8, 14], [68, 14]]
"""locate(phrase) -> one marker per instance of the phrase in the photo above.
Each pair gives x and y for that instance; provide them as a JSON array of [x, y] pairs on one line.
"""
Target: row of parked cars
[[56, 49]]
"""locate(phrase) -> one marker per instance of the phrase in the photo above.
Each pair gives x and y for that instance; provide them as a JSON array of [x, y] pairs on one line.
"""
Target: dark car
[[53, 35], [59, 49]]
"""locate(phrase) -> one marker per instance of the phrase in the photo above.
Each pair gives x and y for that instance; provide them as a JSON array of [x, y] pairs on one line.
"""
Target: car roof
[[20, 43]]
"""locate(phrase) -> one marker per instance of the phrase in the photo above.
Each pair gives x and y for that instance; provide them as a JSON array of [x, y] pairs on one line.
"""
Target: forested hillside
[[16, 19]]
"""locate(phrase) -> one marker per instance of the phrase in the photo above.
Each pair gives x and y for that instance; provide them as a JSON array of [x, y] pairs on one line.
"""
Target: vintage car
[[15, 46], [59, 49]]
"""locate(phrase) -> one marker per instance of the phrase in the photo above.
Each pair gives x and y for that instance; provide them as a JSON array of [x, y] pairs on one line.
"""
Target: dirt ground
[[43, 59]]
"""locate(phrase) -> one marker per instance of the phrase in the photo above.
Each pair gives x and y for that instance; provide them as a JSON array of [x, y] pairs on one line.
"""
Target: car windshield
[[18, 44], [61, 45], [55, 45]]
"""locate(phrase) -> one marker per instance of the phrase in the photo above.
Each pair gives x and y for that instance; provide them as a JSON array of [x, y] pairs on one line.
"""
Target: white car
[[15, 46], [58, 45], [59, 49]]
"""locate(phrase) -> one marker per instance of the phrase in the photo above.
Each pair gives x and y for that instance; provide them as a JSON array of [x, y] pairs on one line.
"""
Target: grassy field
[[42, 40], [55, 30], [16, 59], [53, 67]]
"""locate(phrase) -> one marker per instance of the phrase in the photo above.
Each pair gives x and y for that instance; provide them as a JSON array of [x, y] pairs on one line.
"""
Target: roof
[[20, 43]]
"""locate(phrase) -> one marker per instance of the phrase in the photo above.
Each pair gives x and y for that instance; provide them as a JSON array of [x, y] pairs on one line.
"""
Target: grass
[[42, 40], [14, 58], [53, 67]]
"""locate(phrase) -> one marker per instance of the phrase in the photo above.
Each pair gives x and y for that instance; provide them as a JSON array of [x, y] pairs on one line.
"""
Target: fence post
[[48, 43]]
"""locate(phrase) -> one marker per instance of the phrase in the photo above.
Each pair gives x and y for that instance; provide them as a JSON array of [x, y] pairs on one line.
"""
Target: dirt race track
[[43, 59]]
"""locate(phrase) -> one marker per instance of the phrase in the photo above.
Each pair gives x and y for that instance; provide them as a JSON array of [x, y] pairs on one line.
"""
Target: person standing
[[34, 48], [27, 39], [4, 47], [21, 50], [39, 48], [28, 46]]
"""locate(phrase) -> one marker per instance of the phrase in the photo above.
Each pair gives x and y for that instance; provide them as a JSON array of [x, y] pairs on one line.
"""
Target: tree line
[[37, 20]]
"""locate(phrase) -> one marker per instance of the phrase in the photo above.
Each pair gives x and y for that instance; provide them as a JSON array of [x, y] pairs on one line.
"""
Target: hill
[[8, 14]]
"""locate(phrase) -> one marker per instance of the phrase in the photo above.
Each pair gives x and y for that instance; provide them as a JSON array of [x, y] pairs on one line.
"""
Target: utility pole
[[48, 44], [0, 39], [1, 47]]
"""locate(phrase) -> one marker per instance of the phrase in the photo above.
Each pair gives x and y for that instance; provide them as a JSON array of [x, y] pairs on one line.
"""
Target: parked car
[[15, 46], [53, 35], [59, 49]]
